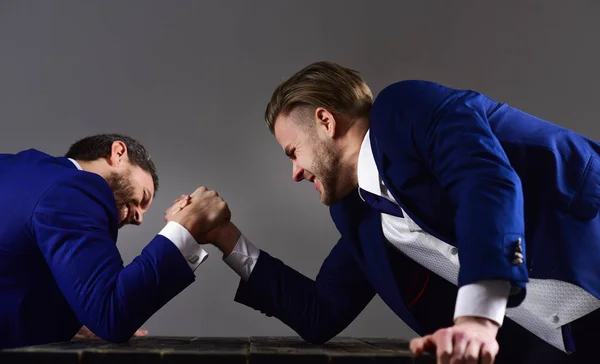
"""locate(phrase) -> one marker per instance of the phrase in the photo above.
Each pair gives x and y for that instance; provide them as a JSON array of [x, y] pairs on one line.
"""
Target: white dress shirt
[[548, 305], [181, 237]]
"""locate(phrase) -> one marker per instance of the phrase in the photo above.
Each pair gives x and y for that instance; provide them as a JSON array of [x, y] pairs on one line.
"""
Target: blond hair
[[321, 84]]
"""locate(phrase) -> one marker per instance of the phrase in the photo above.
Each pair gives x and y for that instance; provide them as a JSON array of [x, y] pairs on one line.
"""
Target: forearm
[[277, 290], [120, 300], [74, 225], [316, 309]]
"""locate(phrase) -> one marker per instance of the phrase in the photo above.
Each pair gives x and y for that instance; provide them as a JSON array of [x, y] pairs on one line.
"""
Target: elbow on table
[[319, 337], [117, 335], [118, 338]]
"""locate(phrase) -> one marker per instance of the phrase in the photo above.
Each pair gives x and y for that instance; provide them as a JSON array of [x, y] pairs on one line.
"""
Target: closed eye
[[290, 152], [145, 199]]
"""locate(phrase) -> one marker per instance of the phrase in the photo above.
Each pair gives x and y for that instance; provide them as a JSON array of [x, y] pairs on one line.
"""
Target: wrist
[[184, 221], [480, 321], [226, 238]]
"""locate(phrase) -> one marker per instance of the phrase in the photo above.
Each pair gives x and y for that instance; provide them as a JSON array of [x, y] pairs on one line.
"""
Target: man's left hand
[[85, 333], [177, 206], [470, 340]]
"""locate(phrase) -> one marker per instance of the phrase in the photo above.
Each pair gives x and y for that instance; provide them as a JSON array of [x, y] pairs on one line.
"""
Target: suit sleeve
[[75, 227], [450, 133], [316, 309]]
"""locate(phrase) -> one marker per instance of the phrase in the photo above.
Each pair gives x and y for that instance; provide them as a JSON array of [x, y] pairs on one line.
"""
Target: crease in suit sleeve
[[71, 224]]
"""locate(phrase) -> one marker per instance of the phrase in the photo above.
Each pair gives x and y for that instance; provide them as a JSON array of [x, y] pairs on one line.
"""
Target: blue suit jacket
[[471, 171], [59, 264]]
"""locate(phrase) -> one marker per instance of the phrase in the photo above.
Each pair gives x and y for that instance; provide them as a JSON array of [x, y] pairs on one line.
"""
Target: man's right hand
[[205, 211]]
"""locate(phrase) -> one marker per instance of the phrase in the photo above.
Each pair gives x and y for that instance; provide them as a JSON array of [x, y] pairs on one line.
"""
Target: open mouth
[[314, 180], [127, 214]]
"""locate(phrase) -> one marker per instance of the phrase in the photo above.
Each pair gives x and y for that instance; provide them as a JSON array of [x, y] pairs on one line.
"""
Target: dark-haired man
[[59, 265]]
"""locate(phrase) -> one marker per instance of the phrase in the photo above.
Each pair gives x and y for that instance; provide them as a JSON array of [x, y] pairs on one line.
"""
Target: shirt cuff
[[185, 242], [485, 299], [243, 257]]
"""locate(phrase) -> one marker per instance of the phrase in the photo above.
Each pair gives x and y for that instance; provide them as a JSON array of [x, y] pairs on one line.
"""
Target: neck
[[352, 143], [98, 166]]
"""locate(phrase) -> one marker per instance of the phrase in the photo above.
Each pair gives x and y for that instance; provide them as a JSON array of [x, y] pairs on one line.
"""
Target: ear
[[118, 154], [325, 122]]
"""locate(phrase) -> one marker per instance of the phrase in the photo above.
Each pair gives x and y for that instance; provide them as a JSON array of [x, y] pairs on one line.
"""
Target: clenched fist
[[204, 211]]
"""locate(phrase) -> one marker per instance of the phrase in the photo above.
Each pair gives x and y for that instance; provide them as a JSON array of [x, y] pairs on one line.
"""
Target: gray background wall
[[190, 79]]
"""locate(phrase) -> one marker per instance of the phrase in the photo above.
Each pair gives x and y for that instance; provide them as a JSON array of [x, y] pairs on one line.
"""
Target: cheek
[[304, 163], [305, 160], [313, 162]]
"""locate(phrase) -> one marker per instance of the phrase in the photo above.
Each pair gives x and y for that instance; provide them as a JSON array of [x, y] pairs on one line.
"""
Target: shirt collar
[[368, 176], [75, 163]]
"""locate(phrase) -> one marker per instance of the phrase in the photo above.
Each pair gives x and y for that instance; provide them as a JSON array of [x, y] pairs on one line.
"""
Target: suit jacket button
[[454, 250]]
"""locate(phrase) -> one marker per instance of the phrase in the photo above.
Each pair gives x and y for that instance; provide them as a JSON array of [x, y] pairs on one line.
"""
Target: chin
[[326, 200], [329, 203], [330, 200]]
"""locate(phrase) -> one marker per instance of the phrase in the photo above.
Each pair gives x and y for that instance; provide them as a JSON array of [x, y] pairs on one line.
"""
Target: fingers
[[84, 333], [460, 346], [204, 210], [141, 332], [218, 214], [472, 352], [440, 342], [443, 343], [489, 352], [416, 345], [224, 210], [453, 346], [200, 190], [178, 205], [420, 345], [184, 201]]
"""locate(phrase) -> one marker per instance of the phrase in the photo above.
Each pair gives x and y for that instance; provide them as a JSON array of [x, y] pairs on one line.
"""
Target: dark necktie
[[379, 203], [386, 206]]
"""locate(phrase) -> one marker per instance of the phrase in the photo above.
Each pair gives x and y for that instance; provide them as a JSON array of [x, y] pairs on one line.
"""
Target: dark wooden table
[[253, 350]]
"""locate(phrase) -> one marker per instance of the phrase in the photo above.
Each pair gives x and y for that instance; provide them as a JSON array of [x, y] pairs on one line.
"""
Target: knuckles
[[222, 205], [471, 357]]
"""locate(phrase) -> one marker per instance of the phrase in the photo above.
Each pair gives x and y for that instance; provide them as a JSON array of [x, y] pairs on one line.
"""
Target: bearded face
[[125, 196]]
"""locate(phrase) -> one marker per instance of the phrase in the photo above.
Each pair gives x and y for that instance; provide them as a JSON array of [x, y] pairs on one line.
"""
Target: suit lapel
[[362, 225], [370, 236], [390, 177]]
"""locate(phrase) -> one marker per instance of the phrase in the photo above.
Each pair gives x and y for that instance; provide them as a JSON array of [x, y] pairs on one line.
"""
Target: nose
[[138, 216], [297, 172]]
